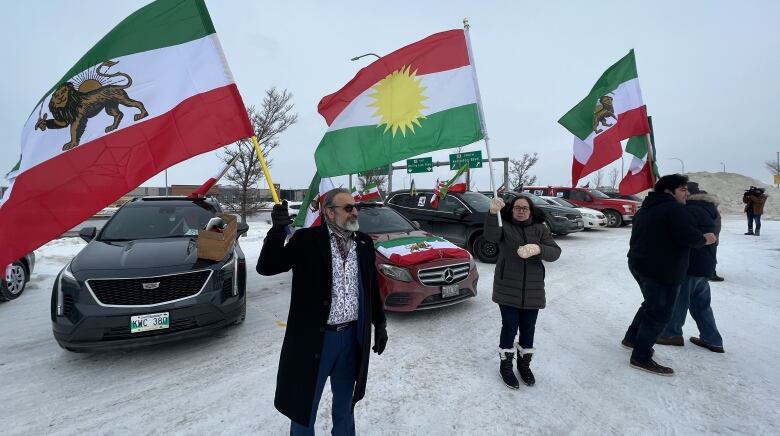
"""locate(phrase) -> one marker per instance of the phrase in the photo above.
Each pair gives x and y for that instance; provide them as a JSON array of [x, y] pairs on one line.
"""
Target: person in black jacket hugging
[[695, 289], [662, 235], [518, 282]]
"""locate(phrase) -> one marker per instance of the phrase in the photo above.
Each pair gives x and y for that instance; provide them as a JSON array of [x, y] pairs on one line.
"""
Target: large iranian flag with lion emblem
[[612, 111], [413, 250], [420, 98], [153, 92]]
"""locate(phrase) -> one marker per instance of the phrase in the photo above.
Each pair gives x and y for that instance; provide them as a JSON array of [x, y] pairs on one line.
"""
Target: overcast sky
[[709, 71]]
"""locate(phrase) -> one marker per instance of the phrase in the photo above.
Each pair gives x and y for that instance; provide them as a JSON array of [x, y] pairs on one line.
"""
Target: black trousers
[[653, 315], [514, 321]]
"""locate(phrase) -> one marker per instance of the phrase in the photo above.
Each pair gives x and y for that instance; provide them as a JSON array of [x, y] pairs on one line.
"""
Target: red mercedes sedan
[[417, 270]]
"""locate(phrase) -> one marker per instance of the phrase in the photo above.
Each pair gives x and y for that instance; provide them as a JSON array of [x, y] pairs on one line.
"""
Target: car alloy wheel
[[613, 218], [14, 287]]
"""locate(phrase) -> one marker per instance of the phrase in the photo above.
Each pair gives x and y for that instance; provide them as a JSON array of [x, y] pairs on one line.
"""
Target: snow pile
[[729, 187]]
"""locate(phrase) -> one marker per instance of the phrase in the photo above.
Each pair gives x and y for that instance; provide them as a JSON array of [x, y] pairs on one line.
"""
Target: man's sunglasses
[[348, 208]]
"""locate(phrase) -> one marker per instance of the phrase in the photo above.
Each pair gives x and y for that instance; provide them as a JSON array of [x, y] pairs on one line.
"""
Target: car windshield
[[152, 221], [373, 220], [477, 201], [562, 202], [598, 194]]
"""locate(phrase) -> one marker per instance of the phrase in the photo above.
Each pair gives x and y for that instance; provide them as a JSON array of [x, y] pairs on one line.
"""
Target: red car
[[405, 284], [619, 212]]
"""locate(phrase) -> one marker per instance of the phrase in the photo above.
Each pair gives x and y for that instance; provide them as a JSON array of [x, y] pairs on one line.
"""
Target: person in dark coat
[[334, 300], [695, 289], [754, 199], [518, 282], [662, 234]]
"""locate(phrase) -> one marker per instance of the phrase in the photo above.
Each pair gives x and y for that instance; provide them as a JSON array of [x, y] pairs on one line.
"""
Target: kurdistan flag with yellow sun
[[420, 98]]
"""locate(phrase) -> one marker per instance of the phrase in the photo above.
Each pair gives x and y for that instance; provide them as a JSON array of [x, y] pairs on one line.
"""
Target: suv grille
[[572, 217], [131, 292], [439, 276]]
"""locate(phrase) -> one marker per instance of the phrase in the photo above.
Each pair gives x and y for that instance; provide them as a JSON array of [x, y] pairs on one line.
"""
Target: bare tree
[[268, 122], [597, 178], [773, 166], [519, 168], [614, 174]]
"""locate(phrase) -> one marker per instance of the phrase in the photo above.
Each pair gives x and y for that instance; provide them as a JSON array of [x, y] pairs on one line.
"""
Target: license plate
[[152, 321], [450, 291]]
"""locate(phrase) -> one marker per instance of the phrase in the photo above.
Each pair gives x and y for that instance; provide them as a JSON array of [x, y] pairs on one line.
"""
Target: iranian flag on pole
[[356, 195], [420, 98], [413, 250], [153, 92], [371, 192], [458, 182], [640, 172], [612, 112], [309, 215]]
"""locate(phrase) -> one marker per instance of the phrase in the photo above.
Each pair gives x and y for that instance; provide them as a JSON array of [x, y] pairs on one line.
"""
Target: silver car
[[16, 277]]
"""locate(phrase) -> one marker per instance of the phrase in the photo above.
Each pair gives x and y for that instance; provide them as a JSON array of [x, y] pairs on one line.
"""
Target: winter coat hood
[[708, 198], [655, 199]]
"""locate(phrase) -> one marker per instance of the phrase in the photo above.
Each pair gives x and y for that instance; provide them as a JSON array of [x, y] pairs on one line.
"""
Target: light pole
[[364, 55], [681, 163], [724, 167]]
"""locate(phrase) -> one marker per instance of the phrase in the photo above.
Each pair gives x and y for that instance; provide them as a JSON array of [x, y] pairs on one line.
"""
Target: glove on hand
[[380, 339], [280, 216], [528, 250], [495, 205]]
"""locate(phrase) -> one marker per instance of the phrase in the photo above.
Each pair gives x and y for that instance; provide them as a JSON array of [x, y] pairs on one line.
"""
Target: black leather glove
[[280, 216], [380, 339]]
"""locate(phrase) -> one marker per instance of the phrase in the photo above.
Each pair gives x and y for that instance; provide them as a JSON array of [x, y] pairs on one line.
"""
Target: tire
[[484, 250], [241, 318], [613, 218], [13, 289]]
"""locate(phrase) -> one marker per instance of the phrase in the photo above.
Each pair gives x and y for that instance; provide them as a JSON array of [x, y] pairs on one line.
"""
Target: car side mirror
[[87, 233], [242, 229], [416, 225], [461, 211]]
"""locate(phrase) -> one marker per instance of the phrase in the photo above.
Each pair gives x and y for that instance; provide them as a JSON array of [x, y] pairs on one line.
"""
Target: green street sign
[[378, 171], [474, 159], [419, 165]]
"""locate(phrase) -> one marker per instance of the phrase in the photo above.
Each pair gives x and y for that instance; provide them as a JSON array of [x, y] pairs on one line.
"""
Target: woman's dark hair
[[670, 182], [506, 212]]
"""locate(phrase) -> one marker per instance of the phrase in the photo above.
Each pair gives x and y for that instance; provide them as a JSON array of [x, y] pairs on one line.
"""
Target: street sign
[[419, 165], [378, 171], [777, 179], [474, 159]]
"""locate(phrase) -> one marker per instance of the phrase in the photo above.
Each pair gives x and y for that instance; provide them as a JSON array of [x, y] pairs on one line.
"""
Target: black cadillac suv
[[139, 280]]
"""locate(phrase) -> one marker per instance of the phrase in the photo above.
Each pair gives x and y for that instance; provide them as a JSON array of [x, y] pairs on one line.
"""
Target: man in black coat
[[695, 289], [334, 300], [661, 238]]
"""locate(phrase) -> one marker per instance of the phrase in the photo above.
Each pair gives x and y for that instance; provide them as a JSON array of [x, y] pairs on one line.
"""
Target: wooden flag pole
[[466, 27], [267, 173]]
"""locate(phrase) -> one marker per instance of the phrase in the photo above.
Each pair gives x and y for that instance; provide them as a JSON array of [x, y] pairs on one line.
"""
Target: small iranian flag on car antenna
[[154, 91], [371, 192]]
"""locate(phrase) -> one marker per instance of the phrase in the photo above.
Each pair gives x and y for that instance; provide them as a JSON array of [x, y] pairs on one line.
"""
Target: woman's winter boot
[[524, 356], [506, 371]]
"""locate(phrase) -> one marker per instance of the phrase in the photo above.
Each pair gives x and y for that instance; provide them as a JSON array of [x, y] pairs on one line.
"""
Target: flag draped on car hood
[[420, 98], [153, 92], [612, 111], [413, 250]]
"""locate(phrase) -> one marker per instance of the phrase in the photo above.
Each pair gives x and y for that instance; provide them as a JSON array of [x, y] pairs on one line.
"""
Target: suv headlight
[[67, 276], [627, 208], [590, 215], [396, 272], [232, 264]]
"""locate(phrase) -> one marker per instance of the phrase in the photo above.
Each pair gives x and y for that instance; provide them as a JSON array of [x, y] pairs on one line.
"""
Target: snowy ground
[[439, 374]]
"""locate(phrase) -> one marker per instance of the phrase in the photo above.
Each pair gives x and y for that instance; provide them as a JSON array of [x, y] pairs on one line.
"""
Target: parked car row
[[618, 211]]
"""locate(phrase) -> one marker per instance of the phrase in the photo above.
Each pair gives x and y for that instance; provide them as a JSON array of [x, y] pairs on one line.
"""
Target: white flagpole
[[466, 27]]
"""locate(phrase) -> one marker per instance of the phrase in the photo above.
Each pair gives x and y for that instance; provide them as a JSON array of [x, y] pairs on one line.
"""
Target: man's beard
[[348, 224]]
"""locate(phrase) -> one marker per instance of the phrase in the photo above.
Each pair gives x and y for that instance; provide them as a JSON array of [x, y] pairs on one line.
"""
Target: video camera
[[753, 190]]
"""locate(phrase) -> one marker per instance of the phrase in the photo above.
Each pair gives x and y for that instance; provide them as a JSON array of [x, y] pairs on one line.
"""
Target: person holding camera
[[518, 283], [754, 199], [333, 303]]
